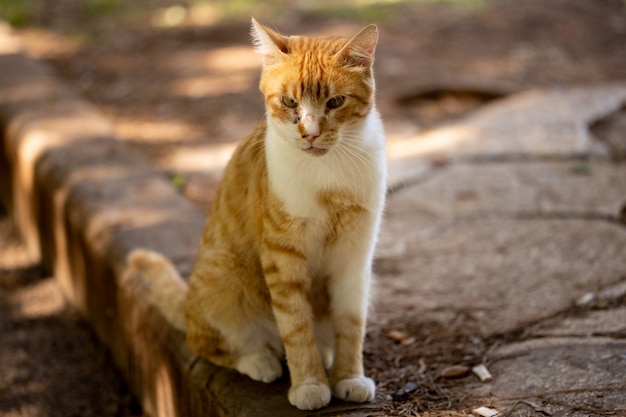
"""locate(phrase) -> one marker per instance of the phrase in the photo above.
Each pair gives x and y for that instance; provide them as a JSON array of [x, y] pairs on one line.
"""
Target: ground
[[180, 82], [52, 363]]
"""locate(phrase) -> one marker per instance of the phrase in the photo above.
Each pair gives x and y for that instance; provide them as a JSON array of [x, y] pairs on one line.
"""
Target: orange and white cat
[[284, 265]]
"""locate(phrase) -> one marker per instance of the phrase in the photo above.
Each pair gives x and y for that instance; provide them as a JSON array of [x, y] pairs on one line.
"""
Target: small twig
[[583, 408], [535, 407]]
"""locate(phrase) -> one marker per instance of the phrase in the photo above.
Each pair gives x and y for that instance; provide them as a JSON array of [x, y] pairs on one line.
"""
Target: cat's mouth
[[315, 151]]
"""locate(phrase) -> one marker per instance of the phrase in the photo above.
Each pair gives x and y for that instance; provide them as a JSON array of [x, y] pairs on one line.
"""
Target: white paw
[[359, 389], [262, 367], [310, 395]]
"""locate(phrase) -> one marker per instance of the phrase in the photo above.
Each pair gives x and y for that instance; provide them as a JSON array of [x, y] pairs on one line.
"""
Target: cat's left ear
[[359, 51], [272, 45]]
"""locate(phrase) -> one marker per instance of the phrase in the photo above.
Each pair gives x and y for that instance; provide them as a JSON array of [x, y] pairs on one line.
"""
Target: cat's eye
[[289, 102], [335, 102]]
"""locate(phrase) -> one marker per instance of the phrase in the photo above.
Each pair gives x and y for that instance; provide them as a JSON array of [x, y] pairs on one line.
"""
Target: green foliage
[[21, 13], [45, 13], [16, 12], [367, 12], [99, 8], [178, 181]]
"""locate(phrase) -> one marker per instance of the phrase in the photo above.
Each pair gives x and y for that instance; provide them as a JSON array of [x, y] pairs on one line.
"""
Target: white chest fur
[[356, 164]]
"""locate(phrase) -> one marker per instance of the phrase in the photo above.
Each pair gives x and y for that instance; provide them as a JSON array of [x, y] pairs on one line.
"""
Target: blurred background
[[179, 80]]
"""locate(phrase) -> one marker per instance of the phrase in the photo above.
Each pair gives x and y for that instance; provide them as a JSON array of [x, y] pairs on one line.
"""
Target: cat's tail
[[168, 290]]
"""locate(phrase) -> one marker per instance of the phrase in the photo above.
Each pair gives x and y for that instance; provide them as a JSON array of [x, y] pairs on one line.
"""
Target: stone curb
[[82, 201]]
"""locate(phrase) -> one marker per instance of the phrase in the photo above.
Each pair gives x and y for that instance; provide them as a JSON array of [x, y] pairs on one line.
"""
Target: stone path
[[515, 216]]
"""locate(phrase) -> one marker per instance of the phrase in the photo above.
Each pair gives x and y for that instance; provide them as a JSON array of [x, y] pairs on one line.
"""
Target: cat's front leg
[[285, 272], [347, 376], [309, 384], [349, 292]]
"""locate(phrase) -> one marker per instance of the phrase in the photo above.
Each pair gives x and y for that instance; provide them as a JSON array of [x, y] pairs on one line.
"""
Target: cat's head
[[316, 89]]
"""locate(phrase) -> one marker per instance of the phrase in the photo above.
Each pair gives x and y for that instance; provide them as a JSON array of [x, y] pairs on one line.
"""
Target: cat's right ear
[[270, 44], [359, 51]]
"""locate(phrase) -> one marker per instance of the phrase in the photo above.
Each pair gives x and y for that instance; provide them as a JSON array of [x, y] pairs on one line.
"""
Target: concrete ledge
[[82, 201]]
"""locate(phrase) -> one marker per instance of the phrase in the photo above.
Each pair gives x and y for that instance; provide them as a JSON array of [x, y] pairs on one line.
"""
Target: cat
[[284, 264]]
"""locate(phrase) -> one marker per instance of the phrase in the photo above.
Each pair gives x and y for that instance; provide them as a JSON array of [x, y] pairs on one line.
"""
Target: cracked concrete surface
[[514, 216]]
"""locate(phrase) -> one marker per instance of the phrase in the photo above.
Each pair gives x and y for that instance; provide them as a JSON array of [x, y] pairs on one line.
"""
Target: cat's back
[[235, 214], [248, 160]]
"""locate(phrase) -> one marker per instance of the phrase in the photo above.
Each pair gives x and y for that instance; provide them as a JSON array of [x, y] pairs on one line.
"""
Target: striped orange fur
[[284, 265]]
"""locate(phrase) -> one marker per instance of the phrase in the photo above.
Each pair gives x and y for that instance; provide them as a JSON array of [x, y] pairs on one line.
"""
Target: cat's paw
[[360, 389], [263, 367], [309, 395]]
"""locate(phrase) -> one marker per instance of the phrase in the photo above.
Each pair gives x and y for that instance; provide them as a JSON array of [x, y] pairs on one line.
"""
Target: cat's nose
[[310, 128], [310, 138]]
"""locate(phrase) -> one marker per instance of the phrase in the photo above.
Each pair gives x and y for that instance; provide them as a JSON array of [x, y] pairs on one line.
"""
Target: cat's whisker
[[360, 152], [362, 159], [354, 162], [361, 191]]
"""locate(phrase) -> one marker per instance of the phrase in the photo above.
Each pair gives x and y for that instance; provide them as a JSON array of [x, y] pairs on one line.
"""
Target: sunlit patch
[[46, 45], [434, 141], [201, 14], [215, 72], [222, 60], [208, 159], [233, 58], [170, 16], [210, 86], [154, 131]]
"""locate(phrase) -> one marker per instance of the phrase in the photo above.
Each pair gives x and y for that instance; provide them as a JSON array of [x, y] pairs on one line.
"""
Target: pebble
[[485, 412], [406, 389], [482, 373]]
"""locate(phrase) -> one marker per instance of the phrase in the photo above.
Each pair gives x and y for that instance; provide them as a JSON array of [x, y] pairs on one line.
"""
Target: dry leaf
[[455, 371], [398, 336], [423, 367]]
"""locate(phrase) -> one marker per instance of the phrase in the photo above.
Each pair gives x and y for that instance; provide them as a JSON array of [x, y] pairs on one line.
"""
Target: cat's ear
[[359, 51], [270, 44]]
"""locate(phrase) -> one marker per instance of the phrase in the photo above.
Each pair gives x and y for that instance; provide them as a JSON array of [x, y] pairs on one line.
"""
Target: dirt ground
[[176, 80], [52, 363]]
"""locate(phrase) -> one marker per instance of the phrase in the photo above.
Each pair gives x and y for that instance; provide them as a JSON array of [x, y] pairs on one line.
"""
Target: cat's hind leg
[[229, 319], [261, 351], [260, 363], [260, 366]]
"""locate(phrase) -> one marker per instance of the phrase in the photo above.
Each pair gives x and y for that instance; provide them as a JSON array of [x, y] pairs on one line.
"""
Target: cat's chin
[[316, 151]]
